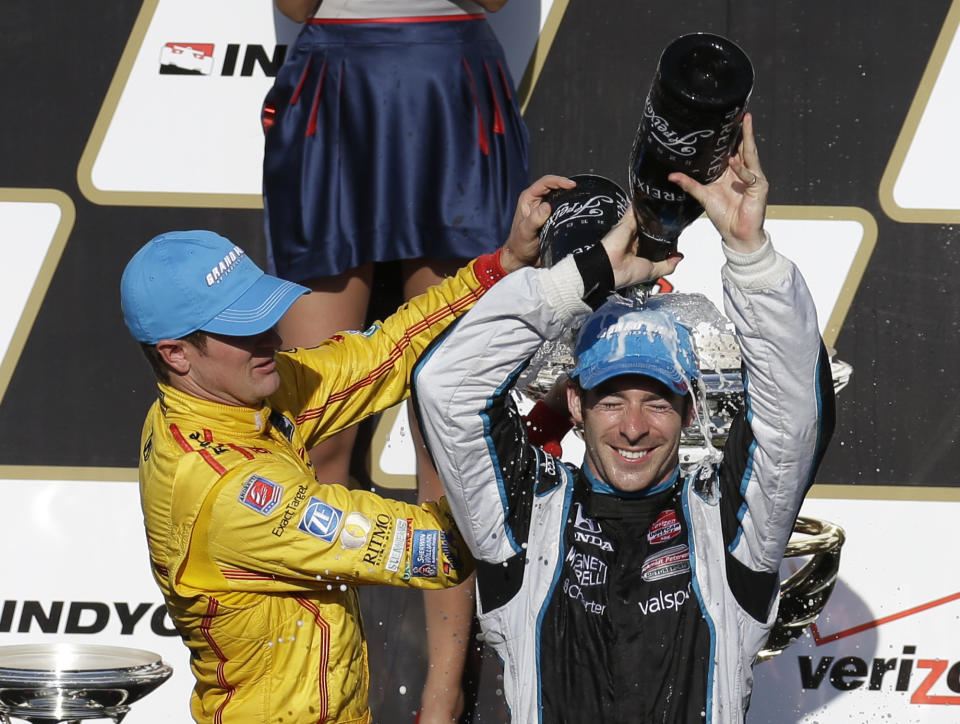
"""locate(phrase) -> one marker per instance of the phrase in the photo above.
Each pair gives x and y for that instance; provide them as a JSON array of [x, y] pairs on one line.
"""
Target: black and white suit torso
[[614, 609]]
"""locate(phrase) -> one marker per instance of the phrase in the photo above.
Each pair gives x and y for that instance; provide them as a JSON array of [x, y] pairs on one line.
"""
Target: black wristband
[[597, 274]]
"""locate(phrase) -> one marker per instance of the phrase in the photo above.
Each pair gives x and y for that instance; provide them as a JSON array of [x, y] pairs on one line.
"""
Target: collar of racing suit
[[632, 507], [604, 488], [203, 413]]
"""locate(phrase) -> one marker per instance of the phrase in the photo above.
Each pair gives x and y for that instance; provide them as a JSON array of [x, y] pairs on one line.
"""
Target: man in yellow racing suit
[[256, 559]]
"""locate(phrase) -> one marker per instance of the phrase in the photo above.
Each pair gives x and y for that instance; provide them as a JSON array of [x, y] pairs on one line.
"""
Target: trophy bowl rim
[[56, 664]]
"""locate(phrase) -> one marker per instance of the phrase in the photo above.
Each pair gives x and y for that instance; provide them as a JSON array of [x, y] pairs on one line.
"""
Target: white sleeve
[[789, 399]]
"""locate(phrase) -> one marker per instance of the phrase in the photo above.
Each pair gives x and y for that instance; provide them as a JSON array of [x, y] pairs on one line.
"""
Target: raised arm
[[462, 387], [776, 445]]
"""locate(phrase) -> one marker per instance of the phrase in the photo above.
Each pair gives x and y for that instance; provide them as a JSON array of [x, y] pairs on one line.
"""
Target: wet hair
[[160, 370]]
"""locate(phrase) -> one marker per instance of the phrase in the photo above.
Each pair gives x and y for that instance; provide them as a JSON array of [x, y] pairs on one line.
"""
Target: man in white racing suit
[[626, 590]]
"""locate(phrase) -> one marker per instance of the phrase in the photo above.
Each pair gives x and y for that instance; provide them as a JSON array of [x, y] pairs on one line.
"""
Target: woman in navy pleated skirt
[[392, 132]]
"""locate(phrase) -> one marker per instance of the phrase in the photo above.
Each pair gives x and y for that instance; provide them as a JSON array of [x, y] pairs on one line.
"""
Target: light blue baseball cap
[[184, 281], [623, 338]]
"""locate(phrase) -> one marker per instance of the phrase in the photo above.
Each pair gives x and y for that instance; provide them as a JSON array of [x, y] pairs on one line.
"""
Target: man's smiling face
[[631, 428]]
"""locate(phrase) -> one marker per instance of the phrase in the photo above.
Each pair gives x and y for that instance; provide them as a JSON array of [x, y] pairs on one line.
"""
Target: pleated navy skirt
[[390, 141]]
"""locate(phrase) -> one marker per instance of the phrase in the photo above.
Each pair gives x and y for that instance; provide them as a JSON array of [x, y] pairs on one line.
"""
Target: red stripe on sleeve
[[486, 268], [242, 450], [395, 353]]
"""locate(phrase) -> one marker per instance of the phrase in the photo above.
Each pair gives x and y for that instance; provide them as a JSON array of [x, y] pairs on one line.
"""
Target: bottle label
[[682, 145], [724, 144], [592, 207], [655, 193]]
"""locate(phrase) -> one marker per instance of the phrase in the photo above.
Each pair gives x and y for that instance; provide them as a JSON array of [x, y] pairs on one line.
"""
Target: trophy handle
[[805, 592]]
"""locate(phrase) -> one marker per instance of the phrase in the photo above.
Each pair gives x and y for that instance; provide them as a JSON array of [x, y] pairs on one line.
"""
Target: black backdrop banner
[[834, 86]]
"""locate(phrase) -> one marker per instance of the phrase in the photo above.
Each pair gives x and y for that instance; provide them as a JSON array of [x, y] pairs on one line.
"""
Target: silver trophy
[[65, 683]]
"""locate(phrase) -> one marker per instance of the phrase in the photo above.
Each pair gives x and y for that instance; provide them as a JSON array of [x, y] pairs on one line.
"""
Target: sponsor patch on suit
[[425, 551], [321, 520], [260, 494]]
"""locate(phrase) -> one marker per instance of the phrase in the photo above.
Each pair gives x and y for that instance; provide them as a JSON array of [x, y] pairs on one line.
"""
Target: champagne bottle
[[691, 123], [580, 216]]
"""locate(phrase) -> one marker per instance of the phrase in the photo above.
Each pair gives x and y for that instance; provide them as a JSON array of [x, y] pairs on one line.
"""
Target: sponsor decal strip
[[212, 606], [208, 458], [398, 546], [821, 640], [395, 353], [324, 654]]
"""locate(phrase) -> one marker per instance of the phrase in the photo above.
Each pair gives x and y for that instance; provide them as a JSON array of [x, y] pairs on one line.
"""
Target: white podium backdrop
[[77, 570]]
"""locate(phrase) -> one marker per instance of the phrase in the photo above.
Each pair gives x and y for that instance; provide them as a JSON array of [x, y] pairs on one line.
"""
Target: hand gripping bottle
[[691, 123], [580, 216]]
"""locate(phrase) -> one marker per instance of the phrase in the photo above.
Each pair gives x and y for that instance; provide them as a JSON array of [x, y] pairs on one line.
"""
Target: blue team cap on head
[[623, 338], [184, 281]]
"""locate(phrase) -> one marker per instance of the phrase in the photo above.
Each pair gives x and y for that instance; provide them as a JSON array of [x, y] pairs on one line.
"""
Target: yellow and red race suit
[[257, 561]]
